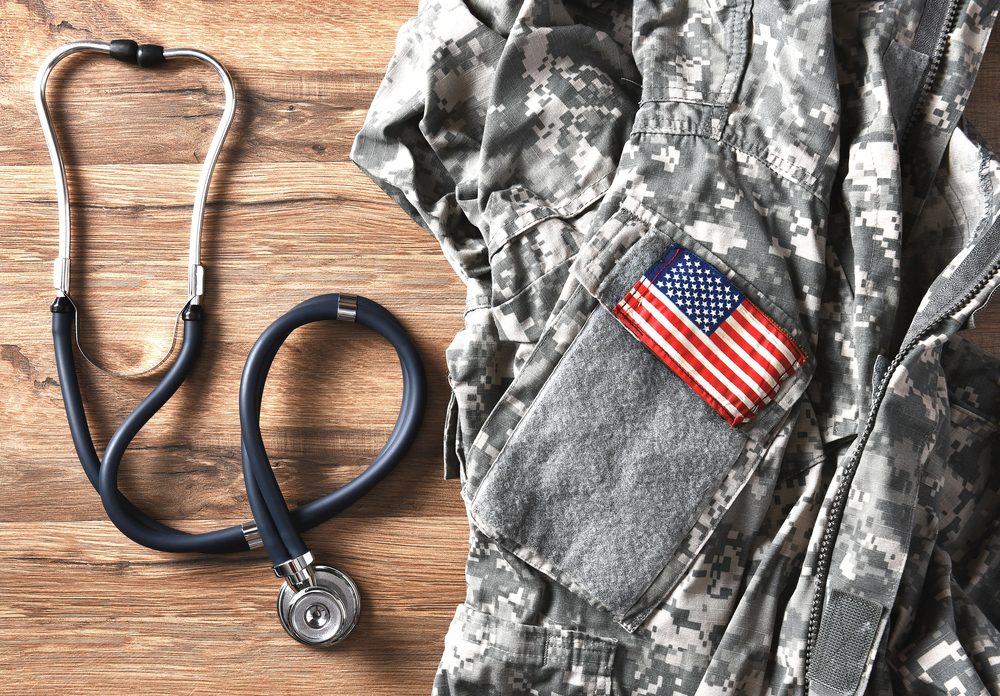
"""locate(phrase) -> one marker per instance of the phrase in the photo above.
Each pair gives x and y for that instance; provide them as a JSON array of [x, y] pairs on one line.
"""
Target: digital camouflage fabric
[[844, 538]]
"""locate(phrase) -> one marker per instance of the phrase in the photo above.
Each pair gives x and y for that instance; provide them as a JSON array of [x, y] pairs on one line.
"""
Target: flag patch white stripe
[[710, 334]]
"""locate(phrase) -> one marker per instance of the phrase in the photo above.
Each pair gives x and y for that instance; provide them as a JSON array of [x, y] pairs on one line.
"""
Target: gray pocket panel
[[605, 474], [600, 466]]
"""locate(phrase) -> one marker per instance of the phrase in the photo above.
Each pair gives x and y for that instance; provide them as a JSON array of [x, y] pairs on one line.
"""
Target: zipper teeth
[[838, 504], [932, 71]]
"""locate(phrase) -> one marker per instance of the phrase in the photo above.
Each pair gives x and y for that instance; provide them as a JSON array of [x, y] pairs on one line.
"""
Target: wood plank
[[115, 617], [305, 74], [289, 217]]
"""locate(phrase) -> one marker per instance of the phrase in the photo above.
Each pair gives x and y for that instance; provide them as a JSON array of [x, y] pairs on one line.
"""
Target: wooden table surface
[[82, 609]]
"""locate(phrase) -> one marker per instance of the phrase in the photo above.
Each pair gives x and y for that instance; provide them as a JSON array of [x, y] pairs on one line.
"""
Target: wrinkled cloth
[[625, 538]]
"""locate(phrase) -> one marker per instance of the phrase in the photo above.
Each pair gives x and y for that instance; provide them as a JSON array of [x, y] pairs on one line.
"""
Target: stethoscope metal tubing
[[61, 271]]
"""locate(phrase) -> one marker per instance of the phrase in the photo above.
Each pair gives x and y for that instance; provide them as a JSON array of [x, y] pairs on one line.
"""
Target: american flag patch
[[718, 341]]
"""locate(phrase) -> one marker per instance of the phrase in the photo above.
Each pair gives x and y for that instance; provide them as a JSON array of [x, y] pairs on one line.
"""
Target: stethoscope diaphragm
[[322, 613]]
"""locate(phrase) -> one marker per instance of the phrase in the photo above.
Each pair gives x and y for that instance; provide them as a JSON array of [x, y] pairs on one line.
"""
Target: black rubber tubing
[[280, 529]]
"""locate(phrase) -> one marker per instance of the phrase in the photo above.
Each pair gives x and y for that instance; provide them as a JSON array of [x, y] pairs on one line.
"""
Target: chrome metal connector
[[298, 572], [196, 283], [60, 276], [347, 307], [252, 535]]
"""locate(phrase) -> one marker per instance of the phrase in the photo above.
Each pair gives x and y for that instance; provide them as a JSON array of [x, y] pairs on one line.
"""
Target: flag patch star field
[[714, 338]]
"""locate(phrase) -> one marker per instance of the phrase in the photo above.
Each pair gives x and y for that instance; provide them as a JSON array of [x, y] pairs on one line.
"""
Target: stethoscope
[[317, 604]]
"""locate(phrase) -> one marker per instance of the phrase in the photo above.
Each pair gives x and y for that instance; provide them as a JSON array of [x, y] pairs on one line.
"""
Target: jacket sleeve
[[495, 115], [497, 127], [421, 139]]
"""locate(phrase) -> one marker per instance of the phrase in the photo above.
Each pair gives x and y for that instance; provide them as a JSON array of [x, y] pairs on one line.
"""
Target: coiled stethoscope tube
[[318, 605]]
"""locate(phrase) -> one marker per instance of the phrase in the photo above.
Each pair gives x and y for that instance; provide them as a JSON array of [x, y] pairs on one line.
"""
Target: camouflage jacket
[[842, 535]]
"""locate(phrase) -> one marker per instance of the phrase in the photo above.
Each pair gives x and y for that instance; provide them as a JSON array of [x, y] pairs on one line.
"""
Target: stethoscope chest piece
[[321, 613]]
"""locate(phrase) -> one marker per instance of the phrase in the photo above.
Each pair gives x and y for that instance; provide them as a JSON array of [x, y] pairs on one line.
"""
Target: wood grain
[[85, 611]]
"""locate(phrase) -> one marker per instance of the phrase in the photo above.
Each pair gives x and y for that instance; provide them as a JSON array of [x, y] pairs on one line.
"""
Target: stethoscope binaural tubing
[[144, 56]]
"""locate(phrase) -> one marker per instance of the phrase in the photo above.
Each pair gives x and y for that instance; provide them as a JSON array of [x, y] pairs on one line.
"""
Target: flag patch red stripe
[[711, 335], [666, 344]]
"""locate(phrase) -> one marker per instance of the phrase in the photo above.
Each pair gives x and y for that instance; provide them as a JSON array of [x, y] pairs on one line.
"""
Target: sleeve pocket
[[619, 469]]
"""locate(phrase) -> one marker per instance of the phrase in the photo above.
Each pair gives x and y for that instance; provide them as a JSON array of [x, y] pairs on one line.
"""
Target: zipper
[[932, 69], [839, 502]]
